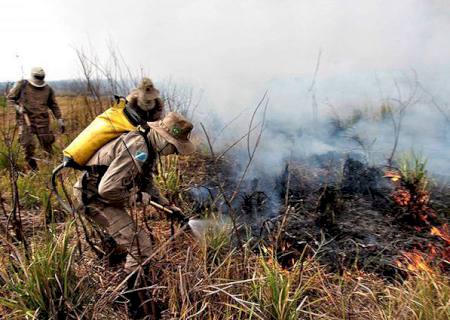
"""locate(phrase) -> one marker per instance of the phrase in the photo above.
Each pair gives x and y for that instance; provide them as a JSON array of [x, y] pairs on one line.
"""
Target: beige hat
[[37, 77], [175, 129], [144, 94]]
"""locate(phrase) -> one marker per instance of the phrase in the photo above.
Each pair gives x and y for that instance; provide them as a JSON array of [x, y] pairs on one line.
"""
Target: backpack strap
[[146, 177], [99, 171], [132, 116], [21, 90], [143, 130], [117, 98]]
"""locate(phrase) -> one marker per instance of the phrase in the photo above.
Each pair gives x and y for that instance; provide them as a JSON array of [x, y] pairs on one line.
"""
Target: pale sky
[[234, 50], [247, 40]]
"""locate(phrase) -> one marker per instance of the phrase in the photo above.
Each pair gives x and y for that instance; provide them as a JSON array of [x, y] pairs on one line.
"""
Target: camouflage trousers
[[117, 223], [27, 139]]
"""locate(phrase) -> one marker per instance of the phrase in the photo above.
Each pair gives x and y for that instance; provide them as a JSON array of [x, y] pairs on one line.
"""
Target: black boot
[[136, 308], [140, 305]]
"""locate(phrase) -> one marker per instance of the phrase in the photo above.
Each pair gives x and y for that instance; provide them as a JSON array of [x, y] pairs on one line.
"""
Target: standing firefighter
[[32, 98], [122, 169]]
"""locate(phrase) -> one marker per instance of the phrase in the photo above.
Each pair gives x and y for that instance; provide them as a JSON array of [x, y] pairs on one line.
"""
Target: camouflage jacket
[[35, 101]]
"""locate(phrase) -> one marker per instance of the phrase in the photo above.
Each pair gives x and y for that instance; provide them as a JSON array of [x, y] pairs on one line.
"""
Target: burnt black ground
[[340, 208], [360, 225]]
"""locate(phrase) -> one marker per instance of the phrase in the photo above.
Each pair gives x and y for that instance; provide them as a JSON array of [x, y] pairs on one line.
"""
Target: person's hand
[[61, 125], [177, 215], [19, 109], [145, 198]]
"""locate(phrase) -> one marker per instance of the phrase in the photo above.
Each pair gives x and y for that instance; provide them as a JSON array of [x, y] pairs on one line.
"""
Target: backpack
[[104, 128]]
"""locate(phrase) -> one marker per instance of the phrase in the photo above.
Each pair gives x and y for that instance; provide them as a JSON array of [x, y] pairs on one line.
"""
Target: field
[[327, 238]]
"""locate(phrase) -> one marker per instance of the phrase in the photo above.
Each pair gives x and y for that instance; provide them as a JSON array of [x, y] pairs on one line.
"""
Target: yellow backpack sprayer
[[105, 127]]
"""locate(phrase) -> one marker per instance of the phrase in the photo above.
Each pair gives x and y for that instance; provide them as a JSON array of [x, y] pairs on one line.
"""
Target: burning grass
[[298, 268], [412, 192]]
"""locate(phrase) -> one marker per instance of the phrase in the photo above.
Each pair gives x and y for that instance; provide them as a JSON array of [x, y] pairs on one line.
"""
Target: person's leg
[[119, 225], [46, 139], [27, 142]]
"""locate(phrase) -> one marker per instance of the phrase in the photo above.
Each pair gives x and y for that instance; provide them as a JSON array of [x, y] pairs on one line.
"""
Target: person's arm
[[13, 96], [117, 181], [53, 105]]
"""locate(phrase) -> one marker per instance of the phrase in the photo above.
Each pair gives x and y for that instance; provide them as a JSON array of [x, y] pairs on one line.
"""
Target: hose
[[55, 172]]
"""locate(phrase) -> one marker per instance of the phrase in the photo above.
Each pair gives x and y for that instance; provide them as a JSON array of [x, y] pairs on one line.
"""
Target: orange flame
[[436, 255], [443, 232], [393, 175], [416, 262]]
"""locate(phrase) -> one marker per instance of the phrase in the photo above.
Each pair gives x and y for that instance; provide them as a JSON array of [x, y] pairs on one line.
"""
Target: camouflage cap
[[37, 77], [144, 95], [176, 129]]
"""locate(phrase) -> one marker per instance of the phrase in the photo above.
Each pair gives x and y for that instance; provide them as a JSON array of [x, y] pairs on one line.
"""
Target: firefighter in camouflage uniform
[[32, 100]]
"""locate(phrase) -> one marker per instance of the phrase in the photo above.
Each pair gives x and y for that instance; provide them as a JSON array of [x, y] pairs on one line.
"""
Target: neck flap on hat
[[161, 146]]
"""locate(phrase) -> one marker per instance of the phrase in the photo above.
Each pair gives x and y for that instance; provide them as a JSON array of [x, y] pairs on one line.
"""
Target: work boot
[[33, 164], [140, 305], [137, 308]]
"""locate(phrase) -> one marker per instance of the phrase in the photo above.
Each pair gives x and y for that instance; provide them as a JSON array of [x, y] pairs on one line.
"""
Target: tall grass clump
[[282, 293], [215, 240], [340, 125], [413, 194], [413, 171], [31, 190], [425, 295], [168, 179], [3, 101], [42, 284]]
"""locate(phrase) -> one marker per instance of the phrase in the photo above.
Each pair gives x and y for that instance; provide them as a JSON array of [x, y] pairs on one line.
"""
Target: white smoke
[[236, 50], [291, 130]]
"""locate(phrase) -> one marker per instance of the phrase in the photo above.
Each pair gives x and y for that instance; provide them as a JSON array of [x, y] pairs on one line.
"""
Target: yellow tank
[[105, 127]]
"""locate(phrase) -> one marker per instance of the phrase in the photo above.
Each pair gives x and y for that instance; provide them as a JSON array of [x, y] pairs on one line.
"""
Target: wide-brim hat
[[145, 90], [37, 77], [149, 95], [176, 130]]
